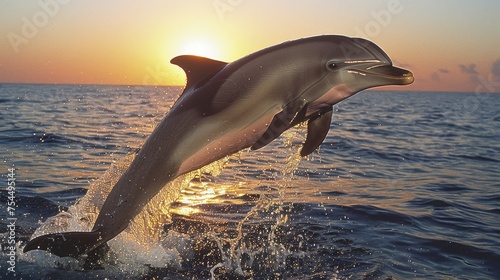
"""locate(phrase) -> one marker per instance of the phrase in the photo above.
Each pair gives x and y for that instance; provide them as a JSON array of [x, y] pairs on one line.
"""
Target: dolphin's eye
[[331, 65]]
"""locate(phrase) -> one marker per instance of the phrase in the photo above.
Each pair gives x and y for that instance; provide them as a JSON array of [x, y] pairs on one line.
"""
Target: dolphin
[[227, 107]]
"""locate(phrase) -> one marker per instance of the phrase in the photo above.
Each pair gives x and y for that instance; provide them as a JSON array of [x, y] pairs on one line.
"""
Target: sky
[[449, 45]]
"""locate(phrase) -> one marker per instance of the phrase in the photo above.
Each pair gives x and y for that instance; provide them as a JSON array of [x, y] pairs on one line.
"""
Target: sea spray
[[82, 215], [268, 254], [140, 243]]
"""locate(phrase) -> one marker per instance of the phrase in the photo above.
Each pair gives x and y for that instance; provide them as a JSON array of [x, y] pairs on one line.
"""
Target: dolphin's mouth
[[395, 75]]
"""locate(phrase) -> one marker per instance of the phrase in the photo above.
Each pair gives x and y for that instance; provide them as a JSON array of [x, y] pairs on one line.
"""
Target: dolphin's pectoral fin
[[292, 114], [317, 129], [197, 68], [67, 244]]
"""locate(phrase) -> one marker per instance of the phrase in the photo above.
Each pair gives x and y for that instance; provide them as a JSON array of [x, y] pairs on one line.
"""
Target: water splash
[[136, 246], [243, 255]]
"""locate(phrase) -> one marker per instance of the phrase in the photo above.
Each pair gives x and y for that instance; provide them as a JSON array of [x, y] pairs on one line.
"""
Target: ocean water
[[405, 186]]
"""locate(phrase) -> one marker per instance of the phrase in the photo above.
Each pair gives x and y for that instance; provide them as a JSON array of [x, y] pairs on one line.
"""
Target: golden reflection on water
[[392, 195], [203, 193]]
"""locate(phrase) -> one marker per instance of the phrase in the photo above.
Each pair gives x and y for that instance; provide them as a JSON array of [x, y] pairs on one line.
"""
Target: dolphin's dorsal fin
[[292, 114], [198, 69], [317, 129]]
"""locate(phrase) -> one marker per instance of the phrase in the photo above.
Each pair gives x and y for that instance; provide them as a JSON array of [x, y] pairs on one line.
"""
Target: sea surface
[[405, 186]]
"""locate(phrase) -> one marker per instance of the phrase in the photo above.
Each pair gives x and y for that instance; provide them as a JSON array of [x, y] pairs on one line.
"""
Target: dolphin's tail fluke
[[67, 244]]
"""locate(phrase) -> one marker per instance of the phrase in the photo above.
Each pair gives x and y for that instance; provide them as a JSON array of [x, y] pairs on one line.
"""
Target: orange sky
[[450, 45]]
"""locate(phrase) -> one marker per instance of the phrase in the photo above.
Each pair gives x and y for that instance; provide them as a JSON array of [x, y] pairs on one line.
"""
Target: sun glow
[[200, 47]]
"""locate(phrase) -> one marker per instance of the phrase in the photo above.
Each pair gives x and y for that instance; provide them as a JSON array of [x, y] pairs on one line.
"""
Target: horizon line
[[182, 86]]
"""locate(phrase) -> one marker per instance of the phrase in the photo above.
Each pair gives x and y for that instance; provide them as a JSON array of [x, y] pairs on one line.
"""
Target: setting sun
[[200, 47]]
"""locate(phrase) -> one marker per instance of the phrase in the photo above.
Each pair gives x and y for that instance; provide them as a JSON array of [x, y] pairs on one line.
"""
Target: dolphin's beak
[[390, 74]]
